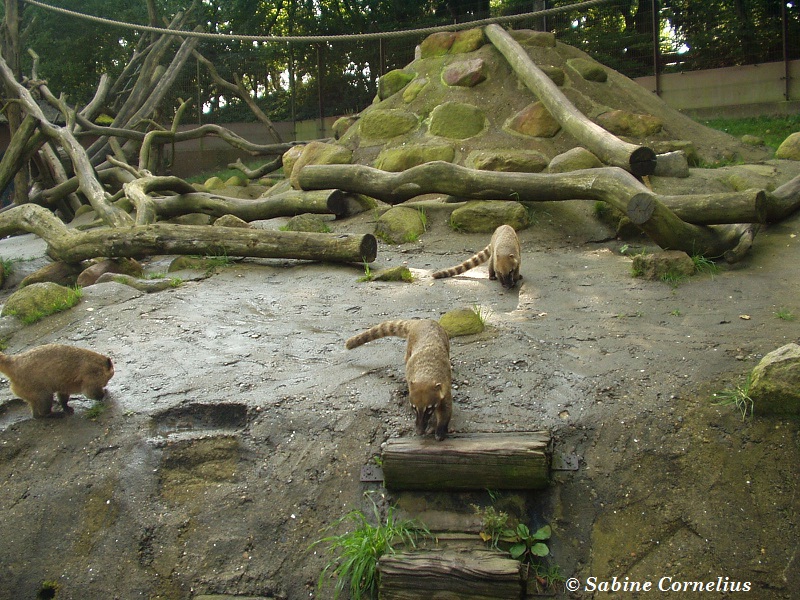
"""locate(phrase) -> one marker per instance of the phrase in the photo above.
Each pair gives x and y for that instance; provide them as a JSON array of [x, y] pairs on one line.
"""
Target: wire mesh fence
[[301, 81]]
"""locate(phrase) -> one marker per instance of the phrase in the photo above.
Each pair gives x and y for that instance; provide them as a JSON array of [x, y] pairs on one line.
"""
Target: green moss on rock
[[588, 69], [393, 82], [484, 216], [405, 157], [385, 124], [461, 321], [457, 121], [400, 225], [38, 300]]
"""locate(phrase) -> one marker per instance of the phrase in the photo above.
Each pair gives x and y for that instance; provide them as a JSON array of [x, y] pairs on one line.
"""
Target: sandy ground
[[237, 424]]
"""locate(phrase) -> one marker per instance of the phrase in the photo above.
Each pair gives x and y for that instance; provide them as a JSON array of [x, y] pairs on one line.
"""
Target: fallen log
[[609, 184], [784, 200], [639, 160], [72, 246], [476, 461], [476, 575]]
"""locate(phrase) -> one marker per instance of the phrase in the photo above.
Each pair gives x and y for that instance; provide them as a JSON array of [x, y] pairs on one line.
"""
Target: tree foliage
[[298, 80]]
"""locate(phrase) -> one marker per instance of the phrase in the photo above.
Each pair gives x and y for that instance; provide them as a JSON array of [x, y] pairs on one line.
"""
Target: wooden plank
[[473, 575], [469, 461]]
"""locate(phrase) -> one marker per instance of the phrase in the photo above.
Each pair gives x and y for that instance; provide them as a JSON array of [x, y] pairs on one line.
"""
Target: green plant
[[175, 282], [704, 265], [423, 217], [772, 129], [97, 409], [784, 314], [738, 396], [530, 544], [7, 266], [672, 278], [494, 524], [367, 272], [676, 313], [354, 554], [546, 576], [483, 314], [47, 591]]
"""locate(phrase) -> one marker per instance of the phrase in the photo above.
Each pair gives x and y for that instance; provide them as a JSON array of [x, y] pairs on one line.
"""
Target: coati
[[427, 369], [503, 254], [37, 374]]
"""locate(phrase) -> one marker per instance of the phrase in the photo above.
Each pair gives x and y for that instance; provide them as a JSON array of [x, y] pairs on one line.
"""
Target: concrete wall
[[212, 153], [745, 91]]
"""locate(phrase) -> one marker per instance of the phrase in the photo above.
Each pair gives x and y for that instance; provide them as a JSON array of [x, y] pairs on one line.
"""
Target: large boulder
[[385, 124], [535, 121], [127, 266], [405, 157], [59, 272], [393, 82], [507, 161], [484, 216], [574, 159], [457, 121], [37, 300], [461, 321], [789, 148], [400, 225], [775, 382]]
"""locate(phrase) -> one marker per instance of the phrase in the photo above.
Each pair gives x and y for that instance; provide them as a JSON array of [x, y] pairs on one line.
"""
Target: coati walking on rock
[[503, 254], [37, 374], [427, 368]]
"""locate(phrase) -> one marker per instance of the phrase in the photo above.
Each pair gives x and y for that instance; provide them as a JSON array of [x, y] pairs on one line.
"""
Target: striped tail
[[472, 262], [387, 328]]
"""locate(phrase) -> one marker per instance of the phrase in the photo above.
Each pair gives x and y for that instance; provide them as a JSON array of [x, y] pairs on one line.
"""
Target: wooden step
[[480, 574], [468, 461]]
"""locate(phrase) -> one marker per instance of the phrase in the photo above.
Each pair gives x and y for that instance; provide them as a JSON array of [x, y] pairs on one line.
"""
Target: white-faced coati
[[427, 368], [37, 374], [503, 254]]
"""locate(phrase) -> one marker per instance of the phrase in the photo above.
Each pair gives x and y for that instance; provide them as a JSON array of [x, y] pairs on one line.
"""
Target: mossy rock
[[385, 124], [789, 148], [413, 89], [555, 74], [775, 382], [193, 263], [457, 121], [191, 219], [529, 37], [468, 40], [37, 300], [232, 221], [574, 159], [621, 122], [400, 225], [405, 157], [127, 266], [393, 82], [461, 321], [437, 44], [342, 125], [669, 263], [507, 161], [290, 157], [213, 183], [535, 121], [307, 222], [401, 273], [588, 69], [484, 216], [320, 153], [465, 73], [236, 181]]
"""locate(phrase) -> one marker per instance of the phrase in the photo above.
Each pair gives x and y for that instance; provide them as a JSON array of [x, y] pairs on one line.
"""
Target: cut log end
[[642, 161], [369, 248], [640, 208]]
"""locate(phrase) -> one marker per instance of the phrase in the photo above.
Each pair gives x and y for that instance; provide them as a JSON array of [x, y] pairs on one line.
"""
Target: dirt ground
[[237, 424]]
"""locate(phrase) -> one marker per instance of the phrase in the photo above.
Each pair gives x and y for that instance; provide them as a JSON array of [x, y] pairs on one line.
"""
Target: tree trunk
[[609, 184], [147, 240], [639, 160], [476, 461], [784, 201], [476, 575]]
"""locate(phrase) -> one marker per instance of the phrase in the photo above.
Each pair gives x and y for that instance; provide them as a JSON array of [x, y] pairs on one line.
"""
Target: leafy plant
[[423, 217], [739, 397], [676, 312], [672, 278], [784, 314], [355, 554], [530, 544], [367, 272], [494, 525]]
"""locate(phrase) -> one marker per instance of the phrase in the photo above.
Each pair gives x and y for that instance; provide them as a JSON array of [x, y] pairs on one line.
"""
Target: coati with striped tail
[[428, 372], [503, 254], [37, 374]]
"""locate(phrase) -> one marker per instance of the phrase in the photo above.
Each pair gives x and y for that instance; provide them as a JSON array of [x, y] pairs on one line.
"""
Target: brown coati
[[427, 368], [37, 374], [503, 254]]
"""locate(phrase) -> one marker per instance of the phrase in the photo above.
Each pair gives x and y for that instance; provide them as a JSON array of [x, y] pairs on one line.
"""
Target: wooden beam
[[468, 461], [475, 575]]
